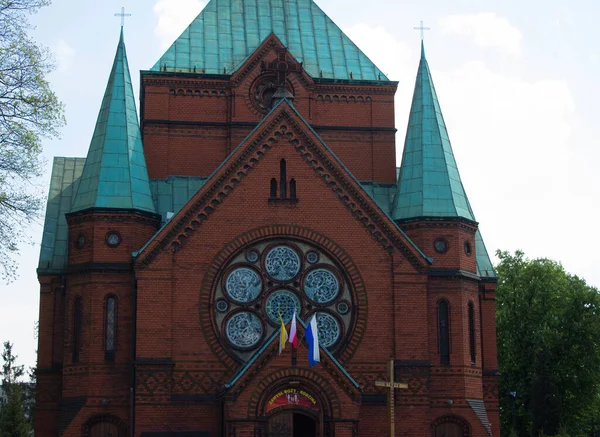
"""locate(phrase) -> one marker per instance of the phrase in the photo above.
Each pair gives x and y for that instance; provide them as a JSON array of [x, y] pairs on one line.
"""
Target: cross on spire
[[422, 29], [122, 14]]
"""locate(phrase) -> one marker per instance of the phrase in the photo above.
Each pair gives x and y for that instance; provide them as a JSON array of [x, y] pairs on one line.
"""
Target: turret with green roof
[[429, 185], [115, 174]]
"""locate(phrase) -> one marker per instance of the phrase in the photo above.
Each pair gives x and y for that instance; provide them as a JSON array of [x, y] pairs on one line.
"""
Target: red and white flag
[[293, 338]]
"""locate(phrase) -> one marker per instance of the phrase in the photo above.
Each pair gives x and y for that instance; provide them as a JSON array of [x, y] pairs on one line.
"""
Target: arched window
[[110, 327], [472, 332], [450, 426], [273, 188], [292, 188], [283, 179], [77, 325], [104, 426], [444, 331]]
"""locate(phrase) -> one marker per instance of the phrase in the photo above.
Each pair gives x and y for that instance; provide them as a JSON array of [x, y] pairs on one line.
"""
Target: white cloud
[[389, 54], [486, 30], [173, 17], [513, 140], [64, 55]]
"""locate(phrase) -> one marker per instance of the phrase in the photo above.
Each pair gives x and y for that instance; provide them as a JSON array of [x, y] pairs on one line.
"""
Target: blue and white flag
[[312, 338]]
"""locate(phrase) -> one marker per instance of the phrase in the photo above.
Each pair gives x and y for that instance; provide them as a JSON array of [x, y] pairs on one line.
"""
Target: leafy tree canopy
[[548, 325], [29, 112]]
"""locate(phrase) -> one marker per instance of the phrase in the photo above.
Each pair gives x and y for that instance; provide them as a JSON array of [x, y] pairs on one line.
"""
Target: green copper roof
[[115, 174], [485, 269], [63, 185], [429, 184], [228, 31]]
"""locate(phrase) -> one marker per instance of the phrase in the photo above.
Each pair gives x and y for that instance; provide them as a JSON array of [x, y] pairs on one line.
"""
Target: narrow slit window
[[111, 328], [77, 325], [444, 331], [273, 188], [292, 188], [472, 344], [283, 179]]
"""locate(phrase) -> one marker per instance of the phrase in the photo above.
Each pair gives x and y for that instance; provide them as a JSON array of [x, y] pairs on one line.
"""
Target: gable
[[283, 124], [226, 32]]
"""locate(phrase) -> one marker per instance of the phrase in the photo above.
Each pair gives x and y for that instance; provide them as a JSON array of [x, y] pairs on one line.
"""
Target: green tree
[[548, 325], [29, 112], [13, 422]]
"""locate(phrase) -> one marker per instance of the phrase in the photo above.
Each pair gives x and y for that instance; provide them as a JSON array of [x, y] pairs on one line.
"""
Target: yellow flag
[[283, 337]]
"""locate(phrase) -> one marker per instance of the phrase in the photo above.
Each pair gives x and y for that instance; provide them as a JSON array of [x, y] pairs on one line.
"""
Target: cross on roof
[[122, 14], [422, 29]]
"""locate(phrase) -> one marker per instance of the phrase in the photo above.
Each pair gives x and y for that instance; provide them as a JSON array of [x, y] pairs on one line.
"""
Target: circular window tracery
[[244, 330], [321, 286], [243, 284], [276, 276], [282, 263], [282, 302], [329, 329]]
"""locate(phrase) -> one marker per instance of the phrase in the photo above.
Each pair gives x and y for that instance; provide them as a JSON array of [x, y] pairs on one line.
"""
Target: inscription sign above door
[[292, 396]]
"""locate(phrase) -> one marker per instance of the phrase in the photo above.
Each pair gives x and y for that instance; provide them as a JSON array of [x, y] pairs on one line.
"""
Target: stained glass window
[[321, 286], [243, 284], [282, 302], [244, 330], [329, 329], [282, 263], [111, 321]]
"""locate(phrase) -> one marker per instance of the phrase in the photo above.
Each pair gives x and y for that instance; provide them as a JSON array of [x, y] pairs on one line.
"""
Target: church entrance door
[[292, 423]]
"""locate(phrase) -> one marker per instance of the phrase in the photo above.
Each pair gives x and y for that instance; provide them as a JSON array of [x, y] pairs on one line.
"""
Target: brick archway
[[93, 427], [325, 394], [450, 426], [293, 232]]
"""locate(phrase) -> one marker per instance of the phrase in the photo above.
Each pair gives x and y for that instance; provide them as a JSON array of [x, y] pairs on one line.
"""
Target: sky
[[516, 80]]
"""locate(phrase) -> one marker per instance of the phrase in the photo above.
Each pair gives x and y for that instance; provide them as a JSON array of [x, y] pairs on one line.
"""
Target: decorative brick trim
[[327, 168], [466, 428], [272, 42], [238, 244]]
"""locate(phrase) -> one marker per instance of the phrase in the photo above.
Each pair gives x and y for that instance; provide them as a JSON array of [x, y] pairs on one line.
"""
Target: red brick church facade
[[258, 190]]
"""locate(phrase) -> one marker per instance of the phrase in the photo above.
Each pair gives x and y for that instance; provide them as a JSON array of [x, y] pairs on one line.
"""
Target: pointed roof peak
[[429, 183], [227, 32], [115, 174]]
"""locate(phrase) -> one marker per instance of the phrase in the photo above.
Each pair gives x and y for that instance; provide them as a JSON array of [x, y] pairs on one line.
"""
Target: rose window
[[243, 284], [275, 278], [329, 329], [244, 330], [282, 303], [282, 263], [321, 286]]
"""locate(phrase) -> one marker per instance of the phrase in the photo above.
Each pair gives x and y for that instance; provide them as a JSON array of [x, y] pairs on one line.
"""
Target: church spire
[[429, 184], [115, 174]]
